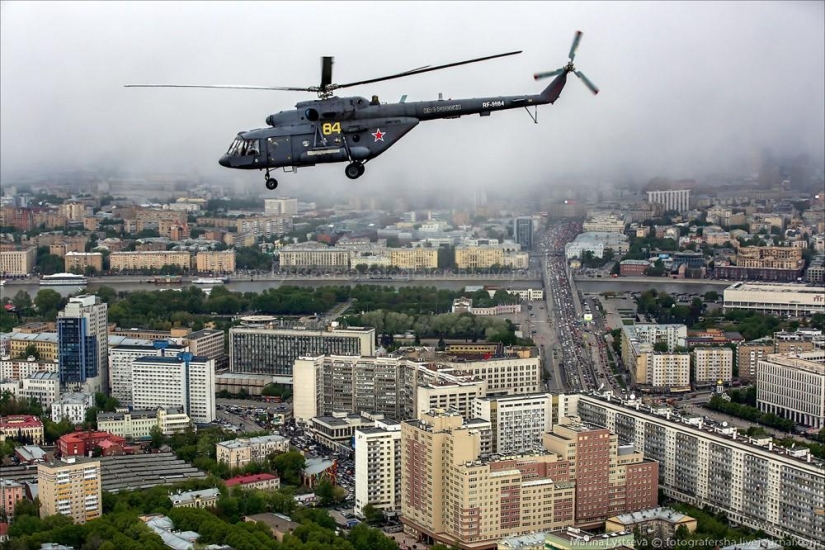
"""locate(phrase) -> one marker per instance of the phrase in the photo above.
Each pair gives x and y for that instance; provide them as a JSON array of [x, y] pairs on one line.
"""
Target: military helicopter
[[357, 130]]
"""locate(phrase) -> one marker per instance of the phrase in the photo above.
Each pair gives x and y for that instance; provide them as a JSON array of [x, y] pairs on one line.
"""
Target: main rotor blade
[[221, 86], [575, 45], [423, 70], [326, 71], [539, 76], [587, 82]]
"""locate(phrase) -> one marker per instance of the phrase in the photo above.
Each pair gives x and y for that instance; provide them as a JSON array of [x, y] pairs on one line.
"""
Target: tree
[[48, 303], [711, 296], [660, 346], [289, 466], [32, 351], [373, 515], [157, 437], [22, 301]]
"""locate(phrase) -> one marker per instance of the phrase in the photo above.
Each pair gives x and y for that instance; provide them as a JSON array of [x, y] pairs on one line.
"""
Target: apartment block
[[748, 355], [751, 481], [314, 255], [797, 342], [138, 424], [208, 343], [274, 350], [610, 478], [11, 492], [215, 262], [519, 422], [414, 258], [17, 262], [792, 388], [671, 199], [72, 488], [608, 224], [662, 370], [237, 453], [184, 380], [142, 261], [264, 226], [378, 467], [453, 495], [401, 387], [712, 364], [78, 262]]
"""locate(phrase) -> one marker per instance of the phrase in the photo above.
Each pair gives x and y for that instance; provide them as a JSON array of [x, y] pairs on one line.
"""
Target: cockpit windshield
[[244, 147]]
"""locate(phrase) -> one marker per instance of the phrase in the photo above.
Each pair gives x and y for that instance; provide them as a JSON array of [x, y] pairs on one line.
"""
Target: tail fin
[[552, 92]]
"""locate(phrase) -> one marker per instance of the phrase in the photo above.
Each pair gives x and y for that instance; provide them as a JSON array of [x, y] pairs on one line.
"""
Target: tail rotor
[[570, 68]]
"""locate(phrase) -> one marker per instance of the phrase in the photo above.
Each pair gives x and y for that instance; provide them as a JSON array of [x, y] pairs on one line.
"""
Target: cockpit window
[[244, 147]]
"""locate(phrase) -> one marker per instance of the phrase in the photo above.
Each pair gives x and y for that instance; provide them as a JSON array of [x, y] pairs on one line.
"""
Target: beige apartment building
[[139, 261], [661, 369], [453, 495], [414, 258], [712, 364], [475, 257], [72, 488], [44, 342], [77, 262], [17, 262], [770, 257], [237, 453], [216, 262], [314, 255]]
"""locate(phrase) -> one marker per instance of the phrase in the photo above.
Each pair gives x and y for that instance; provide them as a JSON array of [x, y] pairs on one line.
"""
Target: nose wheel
[[354, 170]]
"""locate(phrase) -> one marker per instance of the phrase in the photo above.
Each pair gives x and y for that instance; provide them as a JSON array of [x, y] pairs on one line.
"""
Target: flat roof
[[777, 287]]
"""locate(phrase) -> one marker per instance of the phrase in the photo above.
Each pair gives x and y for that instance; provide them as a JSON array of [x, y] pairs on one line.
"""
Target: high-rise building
[[83, 344], [748, 355], [518, 421], [672, 199], [523, 232], [610, 478], [378, 467], [793, 388], [274, 350], [182, 380], [450, 493], [121, 358], [72, 488], [750, 480], [712, 364], [281, 206]]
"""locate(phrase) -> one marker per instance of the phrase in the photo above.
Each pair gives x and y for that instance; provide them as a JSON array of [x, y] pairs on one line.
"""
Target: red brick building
[[83, 443], [255, 481]]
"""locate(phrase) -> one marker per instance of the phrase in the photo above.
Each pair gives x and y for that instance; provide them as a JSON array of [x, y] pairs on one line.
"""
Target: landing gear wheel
[[271, 183], [354, 170]]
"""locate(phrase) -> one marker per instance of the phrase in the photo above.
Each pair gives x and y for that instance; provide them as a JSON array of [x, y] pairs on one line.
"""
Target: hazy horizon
[[687, 89]]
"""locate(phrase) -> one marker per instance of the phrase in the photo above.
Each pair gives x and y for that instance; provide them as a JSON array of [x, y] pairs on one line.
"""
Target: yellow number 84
[[331, 128]]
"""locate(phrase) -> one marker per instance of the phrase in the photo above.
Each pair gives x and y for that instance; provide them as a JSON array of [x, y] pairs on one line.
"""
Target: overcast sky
[[686, 89]]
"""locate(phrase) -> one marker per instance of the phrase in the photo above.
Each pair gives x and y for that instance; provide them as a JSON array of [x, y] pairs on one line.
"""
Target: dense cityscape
[[640, 366]]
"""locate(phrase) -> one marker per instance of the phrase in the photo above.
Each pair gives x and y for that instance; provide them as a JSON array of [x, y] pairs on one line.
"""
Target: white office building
[[179, 381], [121, 358], [518, 421], [712, 364], [41, 386], [72, 406], [793, 388], [281, 206], [378, 467], [797, 300], [673, 199]]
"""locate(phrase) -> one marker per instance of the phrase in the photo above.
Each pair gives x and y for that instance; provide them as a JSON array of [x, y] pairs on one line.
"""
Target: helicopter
[[356, 130]]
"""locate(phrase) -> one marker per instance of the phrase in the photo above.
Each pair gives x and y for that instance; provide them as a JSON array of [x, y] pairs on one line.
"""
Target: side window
[[253, 147]]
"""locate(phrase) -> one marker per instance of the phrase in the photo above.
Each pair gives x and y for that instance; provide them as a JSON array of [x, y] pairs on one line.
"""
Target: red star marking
[[379, 135]]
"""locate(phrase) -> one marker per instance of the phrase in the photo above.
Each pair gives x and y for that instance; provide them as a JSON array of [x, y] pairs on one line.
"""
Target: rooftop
[[666, 514], [253, 478], [777, 287]]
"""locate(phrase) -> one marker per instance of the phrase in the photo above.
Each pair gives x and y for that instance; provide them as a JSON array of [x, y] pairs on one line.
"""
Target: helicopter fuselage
[[355, 129]]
